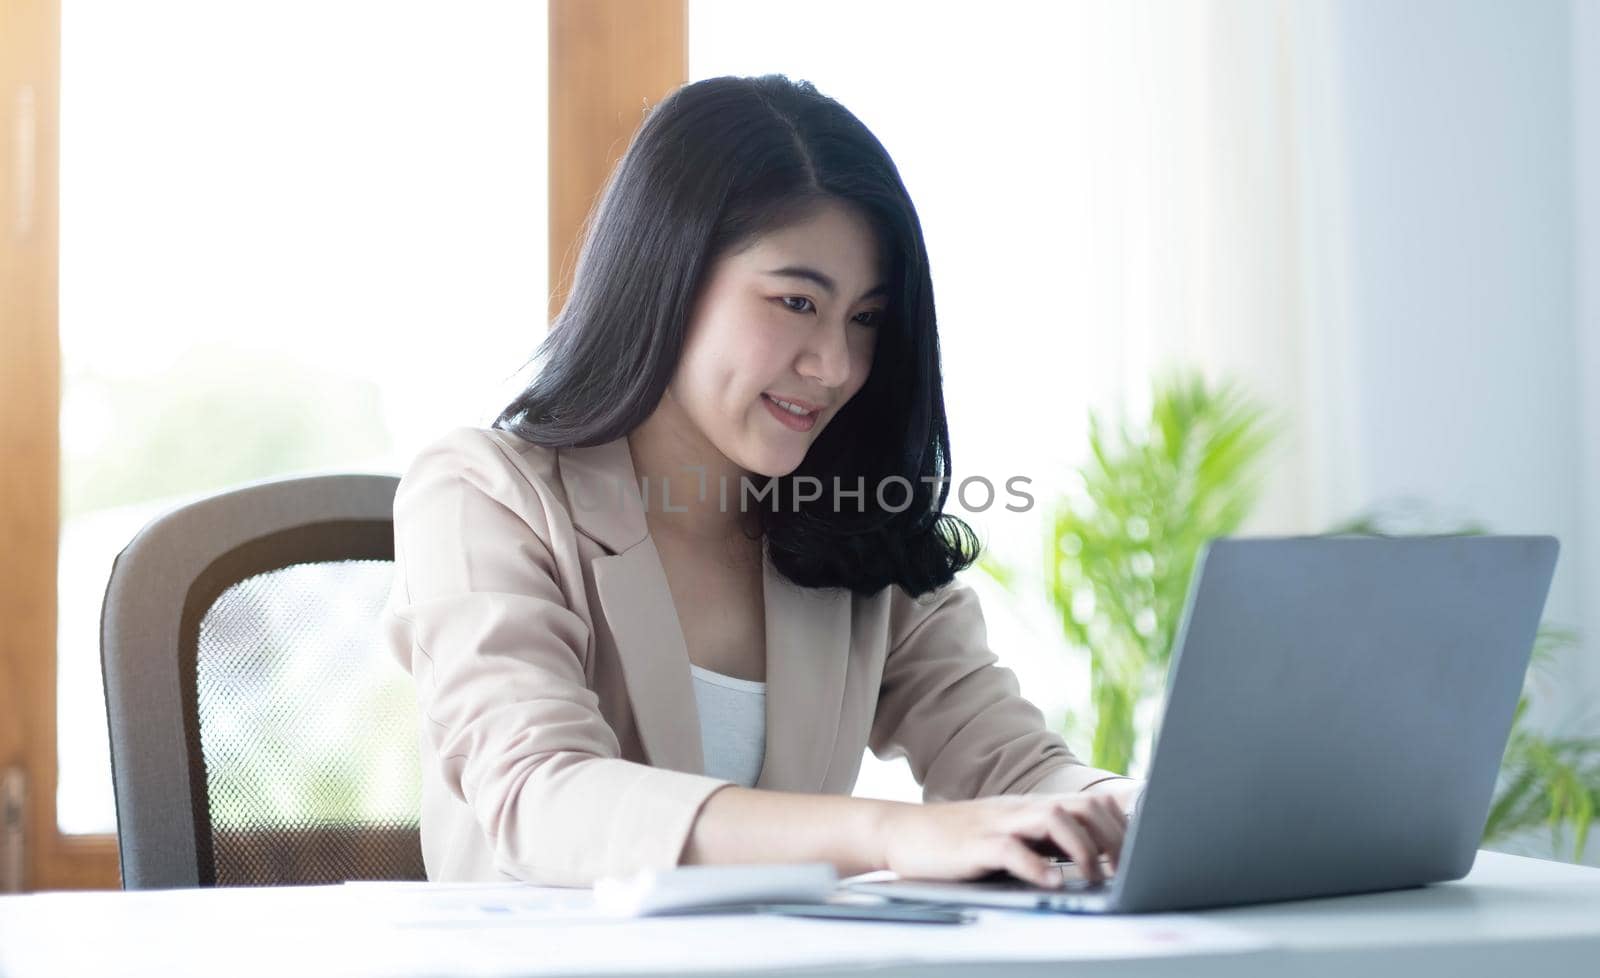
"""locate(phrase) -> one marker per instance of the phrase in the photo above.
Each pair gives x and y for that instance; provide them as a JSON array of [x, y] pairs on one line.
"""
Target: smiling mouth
[[787, 417], [798, 410]]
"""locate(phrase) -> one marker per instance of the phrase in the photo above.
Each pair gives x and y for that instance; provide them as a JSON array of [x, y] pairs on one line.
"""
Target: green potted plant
[[1118, 554]]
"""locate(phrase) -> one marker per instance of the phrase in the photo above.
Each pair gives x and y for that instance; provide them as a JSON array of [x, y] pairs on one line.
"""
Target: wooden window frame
[[609, 60]]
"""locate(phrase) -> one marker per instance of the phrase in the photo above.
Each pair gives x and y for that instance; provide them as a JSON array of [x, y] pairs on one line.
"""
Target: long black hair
[[715, 165]]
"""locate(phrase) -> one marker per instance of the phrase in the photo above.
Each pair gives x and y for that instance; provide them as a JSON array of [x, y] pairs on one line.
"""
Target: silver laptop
[[1336, 712]]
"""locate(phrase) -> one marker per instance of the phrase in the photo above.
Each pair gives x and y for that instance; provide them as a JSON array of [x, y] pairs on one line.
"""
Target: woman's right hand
[[958, 840]]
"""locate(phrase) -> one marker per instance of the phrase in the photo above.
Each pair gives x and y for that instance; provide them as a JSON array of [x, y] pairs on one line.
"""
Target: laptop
[[1336, 712]]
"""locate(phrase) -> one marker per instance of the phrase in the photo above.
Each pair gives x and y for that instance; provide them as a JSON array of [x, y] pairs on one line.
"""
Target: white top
[[733, 725]]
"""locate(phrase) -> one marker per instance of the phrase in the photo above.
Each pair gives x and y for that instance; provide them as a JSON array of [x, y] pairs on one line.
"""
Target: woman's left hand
[[1126, 791]]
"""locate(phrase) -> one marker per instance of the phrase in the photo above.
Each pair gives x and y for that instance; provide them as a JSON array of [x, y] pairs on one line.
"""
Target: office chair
[[260, 732]]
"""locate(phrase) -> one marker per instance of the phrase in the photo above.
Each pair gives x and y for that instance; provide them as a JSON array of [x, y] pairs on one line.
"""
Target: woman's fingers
[[1025, 864], [1019, 830], [1107, 823], [1083, 830], [1070, 836]]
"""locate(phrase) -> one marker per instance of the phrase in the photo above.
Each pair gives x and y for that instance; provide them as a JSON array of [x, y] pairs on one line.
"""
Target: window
[[295, 237]]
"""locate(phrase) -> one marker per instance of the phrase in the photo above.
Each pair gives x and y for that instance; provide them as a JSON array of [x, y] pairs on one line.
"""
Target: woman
[[656, 613]]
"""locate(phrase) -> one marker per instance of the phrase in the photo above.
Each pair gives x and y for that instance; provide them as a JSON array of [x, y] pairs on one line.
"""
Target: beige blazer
[[560, 736]]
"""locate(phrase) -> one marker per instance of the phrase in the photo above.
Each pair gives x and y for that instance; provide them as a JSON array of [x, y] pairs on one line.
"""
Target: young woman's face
[[792, 318]]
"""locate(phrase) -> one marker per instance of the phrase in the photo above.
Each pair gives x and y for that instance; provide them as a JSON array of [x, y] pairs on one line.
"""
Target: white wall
[[1461, 315], [1586, 115]]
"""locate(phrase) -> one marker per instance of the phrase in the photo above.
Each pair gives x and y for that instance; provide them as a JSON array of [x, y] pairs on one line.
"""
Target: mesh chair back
[[260, 733]]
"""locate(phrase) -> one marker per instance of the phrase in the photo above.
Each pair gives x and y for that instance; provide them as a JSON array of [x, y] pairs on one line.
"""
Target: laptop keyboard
[[1001, 879]]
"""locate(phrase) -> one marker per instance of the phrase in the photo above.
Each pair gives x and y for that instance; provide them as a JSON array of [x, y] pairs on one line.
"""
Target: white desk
[[1512, 917]]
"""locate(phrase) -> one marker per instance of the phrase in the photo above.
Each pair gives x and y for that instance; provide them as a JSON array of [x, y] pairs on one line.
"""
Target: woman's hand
[[1125, 790], [959, 840]]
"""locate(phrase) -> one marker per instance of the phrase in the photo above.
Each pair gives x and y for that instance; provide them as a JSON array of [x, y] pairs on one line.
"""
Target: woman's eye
[[875, 316]]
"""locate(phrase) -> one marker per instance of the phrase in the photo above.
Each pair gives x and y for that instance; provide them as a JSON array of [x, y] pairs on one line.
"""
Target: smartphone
[[902, 912]]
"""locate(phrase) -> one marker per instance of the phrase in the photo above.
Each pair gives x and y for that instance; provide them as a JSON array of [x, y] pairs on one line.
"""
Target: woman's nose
[[828, 356]]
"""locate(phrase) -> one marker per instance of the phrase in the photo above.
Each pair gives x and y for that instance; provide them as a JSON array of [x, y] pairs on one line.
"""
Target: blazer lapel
[[603, 497], [808, 656], [638, 606], [807, 634]]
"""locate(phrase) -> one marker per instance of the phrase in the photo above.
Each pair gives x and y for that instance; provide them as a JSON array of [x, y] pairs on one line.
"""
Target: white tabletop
[[1511, 916]]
